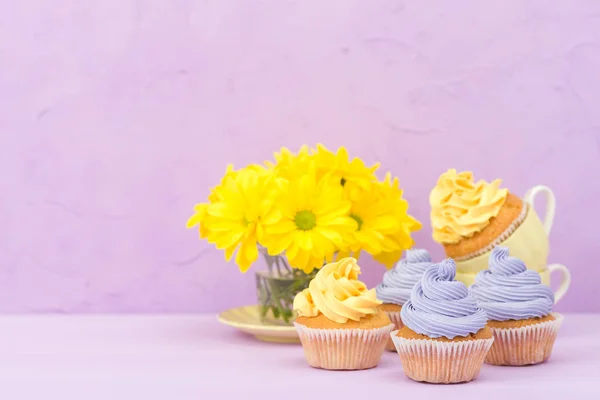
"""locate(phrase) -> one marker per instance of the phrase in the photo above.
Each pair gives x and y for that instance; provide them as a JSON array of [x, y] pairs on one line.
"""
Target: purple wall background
[[117, 116]]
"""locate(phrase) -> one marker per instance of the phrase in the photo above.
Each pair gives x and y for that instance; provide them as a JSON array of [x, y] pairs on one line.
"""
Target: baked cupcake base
[[442, 360], [393, 312], [523, 342], [351, 346]]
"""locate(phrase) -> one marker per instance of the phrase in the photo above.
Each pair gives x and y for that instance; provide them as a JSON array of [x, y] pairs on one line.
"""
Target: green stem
[[278, 289], [278, 264], [289, 269]]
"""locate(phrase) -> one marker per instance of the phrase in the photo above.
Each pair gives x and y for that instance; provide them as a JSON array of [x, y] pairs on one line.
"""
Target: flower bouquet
[[300, 212]]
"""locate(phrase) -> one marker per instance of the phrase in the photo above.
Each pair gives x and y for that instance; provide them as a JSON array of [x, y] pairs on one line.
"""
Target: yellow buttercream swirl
[[461, 207], [337, 293]]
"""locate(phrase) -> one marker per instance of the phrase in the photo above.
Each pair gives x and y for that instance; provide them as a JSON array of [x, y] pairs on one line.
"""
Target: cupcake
[[445, 337], [519, 308], [470, 218], [338, 322], [397, 283]]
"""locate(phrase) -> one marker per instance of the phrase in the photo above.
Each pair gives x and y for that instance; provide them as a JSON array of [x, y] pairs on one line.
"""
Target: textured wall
[[116, 117]]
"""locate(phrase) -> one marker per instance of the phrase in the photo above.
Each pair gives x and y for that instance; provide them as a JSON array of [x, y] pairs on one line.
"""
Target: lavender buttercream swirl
[[440, 306], [398, 282], [510, 291]]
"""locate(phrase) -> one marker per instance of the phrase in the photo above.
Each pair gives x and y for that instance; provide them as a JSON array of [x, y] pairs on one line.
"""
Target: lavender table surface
[[194, 357]]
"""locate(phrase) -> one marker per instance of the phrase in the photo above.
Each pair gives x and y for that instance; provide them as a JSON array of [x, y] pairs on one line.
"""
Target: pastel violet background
[[118, 115]]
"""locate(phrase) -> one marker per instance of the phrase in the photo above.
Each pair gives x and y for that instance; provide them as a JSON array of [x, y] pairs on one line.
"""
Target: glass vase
[[276, 288]]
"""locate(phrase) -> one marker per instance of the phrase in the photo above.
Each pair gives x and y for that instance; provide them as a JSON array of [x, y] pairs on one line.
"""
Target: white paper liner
[[530, 344], [343, 349], [501, 238], [426, 360], [397, 321]]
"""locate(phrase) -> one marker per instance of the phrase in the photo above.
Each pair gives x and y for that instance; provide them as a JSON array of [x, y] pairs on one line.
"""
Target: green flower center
[[343, 181], [358, 220], [305, 220]]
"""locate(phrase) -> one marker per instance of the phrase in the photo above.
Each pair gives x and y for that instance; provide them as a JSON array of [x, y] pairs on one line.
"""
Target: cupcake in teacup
[[469, 218], [397, 283]]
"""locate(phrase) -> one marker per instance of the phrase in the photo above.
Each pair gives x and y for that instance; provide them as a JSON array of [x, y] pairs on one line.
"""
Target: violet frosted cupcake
[[519, 308], [397, 283], [338, 322], [445, 337]]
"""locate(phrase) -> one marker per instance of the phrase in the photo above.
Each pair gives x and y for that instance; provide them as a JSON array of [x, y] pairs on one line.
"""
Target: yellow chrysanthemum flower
[[352, 173], [389, 259], [232, 220], [308, 221], [289, 165], [375, 219], [394, 225], [230, 172]]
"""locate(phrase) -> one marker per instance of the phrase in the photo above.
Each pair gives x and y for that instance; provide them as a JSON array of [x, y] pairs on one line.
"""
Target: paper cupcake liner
[[397, 321], [501, 238], [530, 344], [343, 349], [433, 361]]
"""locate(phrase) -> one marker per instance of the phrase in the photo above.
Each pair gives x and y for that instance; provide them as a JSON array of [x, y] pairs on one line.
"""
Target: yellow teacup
[[529, 242]]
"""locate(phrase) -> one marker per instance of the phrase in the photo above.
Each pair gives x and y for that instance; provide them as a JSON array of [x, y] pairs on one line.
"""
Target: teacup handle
[[550, 204], [566, 280]]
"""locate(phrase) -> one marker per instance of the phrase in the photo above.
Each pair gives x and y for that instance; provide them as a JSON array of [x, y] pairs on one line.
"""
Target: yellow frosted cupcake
[[470, 218], [338, 322]]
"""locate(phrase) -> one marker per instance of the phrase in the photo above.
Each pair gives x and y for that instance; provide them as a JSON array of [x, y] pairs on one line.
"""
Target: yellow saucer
[[247, 320]]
